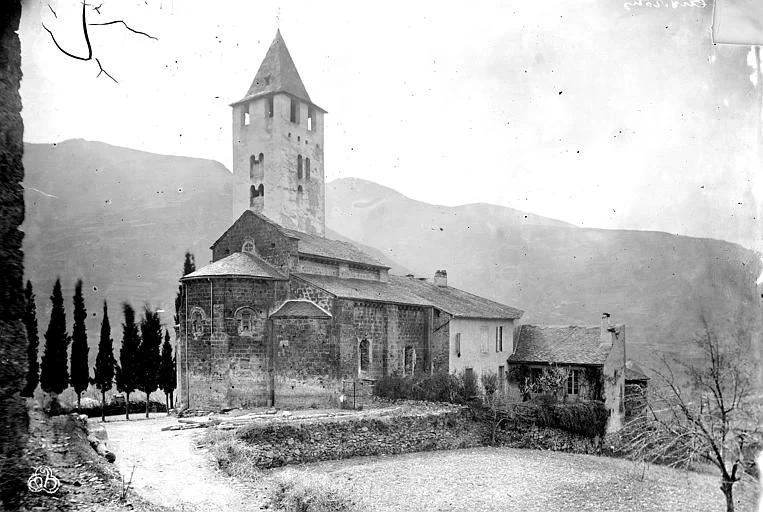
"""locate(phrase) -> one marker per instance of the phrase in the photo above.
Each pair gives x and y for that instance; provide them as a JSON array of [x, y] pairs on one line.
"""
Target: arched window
[[248, 246], [299, 190], [252, 163], [410, 360], [252, 194], [364, 355], [197, 321], [261, 190], [307, 168], [261, 162], [246, 320], [299, 174], [299, 166]]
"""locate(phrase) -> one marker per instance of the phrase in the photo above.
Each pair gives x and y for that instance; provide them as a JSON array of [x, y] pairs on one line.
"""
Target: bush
[[315, 494], [489, 383], [585, 418], [438, 387]]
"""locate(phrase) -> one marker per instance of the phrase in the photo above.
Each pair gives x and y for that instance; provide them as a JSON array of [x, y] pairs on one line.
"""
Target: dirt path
[[170, 470]]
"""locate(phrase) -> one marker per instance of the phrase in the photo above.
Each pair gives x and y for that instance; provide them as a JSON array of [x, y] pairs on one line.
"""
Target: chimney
[[441, 278], [606, 330]]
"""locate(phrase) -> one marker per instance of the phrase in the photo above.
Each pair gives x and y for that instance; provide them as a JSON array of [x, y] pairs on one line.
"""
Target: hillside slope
[[121, 219]]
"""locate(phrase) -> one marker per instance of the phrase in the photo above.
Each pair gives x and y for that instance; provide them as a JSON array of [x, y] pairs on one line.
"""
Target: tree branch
[[128, 27]]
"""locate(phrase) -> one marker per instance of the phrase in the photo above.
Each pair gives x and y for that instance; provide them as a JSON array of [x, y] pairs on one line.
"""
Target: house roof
[[572, 344], [238, 264], [277, 74], [454, 301], [362, 289], [314, 245], [300, 308], [404, 290]]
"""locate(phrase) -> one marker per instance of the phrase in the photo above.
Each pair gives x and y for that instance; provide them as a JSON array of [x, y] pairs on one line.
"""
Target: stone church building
[[283, 313]]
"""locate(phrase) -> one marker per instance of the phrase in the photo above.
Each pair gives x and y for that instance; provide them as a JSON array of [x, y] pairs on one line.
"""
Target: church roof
[[407, 291], [456, 302], [300, 308], [314, 245], [277, 73], [573, 344], [238, 264]]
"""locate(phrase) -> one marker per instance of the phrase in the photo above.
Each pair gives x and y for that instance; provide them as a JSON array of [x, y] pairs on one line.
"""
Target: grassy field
[[501, 479]]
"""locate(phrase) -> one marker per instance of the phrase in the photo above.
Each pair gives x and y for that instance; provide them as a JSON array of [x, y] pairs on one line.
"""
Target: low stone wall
[[544, 438], [290, 443]]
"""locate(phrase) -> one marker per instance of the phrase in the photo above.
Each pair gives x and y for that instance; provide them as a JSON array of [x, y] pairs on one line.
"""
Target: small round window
[[248, 247]]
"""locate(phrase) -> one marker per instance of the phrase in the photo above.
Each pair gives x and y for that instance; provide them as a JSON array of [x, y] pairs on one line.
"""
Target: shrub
[[314, 494], [585, 418], [489, 383]]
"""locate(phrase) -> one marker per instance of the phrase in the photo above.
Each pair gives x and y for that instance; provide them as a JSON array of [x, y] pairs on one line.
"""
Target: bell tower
[[278, 147]]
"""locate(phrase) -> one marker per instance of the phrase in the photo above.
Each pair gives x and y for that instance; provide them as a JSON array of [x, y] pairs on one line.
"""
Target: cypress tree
[[80, 373], [148, 353], [30, 322], [103, 373], [189, 265], [167, 370], [127, 370], [54, 375]]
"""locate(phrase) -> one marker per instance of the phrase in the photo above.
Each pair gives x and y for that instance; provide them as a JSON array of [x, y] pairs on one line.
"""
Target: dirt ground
[[173, 470]]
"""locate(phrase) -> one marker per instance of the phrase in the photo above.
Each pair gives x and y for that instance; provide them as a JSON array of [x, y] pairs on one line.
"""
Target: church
[[285, 315]]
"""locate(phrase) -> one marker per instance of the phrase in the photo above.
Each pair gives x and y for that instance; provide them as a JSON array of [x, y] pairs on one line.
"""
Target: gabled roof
[[362, 289], [238, 264], [454, 301], [300, 308], [406, 291], [314, 245], [572, 344], [277, 73]]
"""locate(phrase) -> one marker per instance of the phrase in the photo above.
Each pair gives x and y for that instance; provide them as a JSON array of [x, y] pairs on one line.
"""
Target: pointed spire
[[278, 73]]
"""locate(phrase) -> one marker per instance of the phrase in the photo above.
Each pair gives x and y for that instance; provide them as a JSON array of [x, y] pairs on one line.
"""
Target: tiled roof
[[333, 249], [456, 302], [362, 289], [573, 344], [403, 290], [238, 264], [277, 73], [300, 308]]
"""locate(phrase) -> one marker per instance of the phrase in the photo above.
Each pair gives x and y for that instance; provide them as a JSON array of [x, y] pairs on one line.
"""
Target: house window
[[248, 247], [269, 106], [252, 163], [469, 374], [261, 190], [484, 338], [458, 344], [310, 119], [573, 382], [299, 190], [245, 119], [197, 321], [364, 353], [299, 167], [252, 194], [501, 377], [294, 111], [245, 320], [499, 338], [307, 168], [410, 360]]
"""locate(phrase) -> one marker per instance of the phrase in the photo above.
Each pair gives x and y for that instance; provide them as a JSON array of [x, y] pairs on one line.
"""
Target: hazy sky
[[585, 111]]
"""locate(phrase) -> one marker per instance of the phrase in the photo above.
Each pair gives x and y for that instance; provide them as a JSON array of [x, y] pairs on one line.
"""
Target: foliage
[[30, 322], [437, 387], [313, 494], [54, 375], [593, 376], [80, 373], [585, 418], [553, 380], [103, 372], [489, 383], [189, 265], [148, 353], [167, 377], [126, 372], [703, 411]]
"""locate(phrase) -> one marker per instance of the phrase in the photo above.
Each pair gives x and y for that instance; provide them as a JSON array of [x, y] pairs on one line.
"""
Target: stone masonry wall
[[224, 367], [290, 443], [302, 290], [270, 244], [441, 342]]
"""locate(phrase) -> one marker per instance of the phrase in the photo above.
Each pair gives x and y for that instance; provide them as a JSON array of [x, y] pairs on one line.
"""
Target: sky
[[601, 113]]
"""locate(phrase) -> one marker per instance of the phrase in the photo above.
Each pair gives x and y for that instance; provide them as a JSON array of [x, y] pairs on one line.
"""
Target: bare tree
[[702, 411]]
